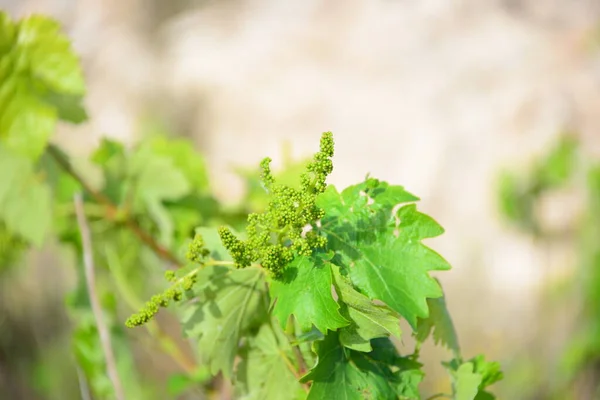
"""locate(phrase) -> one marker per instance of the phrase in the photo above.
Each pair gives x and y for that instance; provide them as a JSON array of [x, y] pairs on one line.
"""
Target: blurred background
[[489, 111]]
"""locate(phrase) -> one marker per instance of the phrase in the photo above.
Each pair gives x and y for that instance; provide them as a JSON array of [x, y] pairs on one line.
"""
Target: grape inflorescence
[[285, 229], [288, 226], [197, 253]]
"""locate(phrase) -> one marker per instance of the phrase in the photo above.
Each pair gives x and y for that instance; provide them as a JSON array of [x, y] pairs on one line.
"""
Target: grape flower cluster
[[182, 282], [288, 226]]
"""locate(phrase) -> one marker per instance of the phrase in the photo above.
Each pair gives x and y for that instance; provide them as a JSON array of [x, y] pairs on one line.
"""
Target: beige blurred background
[[435, 95]]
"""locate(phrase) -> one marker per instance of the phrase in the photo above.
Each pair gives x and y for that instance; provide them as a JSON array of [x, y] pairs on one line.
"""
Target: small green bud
[[197, 251], [170, 276]]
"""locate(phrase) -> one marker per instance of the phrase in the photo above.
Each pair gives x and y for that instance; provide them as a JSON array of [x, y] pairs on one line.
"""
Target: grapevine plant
[[309, 295], [303, 299]]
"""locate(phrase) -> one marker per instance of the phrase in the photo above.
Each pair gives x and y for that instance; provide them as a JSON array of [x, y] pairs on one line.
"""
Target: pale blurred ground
[[436, 95]]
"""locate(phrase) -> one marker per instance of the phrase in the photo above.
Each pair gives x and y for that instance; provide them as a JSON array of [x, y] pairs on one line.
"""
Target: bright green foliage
[[184, 158], [264, 372], [324, 261], [346, 374], [304, 290], [440, 322], [518, 193], [178, 384], [335, 270], [369, 321], [156, 179], [227, 304], [469, 379], [161, 181], [41, 81], [385, 266], [465, 382], [25, 200]]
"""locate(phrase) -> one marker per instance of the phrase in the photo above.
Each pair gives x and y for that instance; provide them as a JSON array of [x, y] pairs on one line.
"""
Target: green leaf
[[407, 375], [40, 81], [180, 383], [489, 370], [62, 184], [156, 179], [345, 374], [408, 385], [557, 166], [68, 107], [389, 267], [228, 303], [25, 201], [305, 292], [439, 320], [368, 320], [184, 157], [469, 379], [111, 157], [264, 372], [49, 55], [465, 382], [107, 151]]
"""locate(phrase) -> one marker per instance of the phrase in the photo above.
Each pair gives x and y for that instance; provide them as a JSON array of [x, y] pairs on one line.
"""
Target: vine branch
[[90, 278], [112, 210], [291, 334]]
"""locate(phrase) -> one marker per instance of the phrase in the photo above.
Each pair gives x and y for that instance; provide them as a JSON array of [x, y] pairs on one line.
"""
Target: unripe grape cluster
[[288, 225], [197, 252]]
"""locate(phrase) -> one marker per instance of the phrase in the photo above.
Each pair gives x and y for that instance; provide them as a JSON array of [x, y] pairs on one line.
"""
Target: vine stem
[[84, 389], [291, 334], [112, 211], [298, 373], [168, 345], [300, 360], [90, 278]]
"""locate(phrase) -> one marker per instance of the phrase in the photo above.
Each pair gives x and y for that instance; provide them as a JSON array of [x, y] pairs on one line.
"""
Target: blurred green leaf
[[557, 166], [178, 383], [156, 179], [514, 200], [69, 107], [25, 200], [184, 157], [40, 81], [471, 378]]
